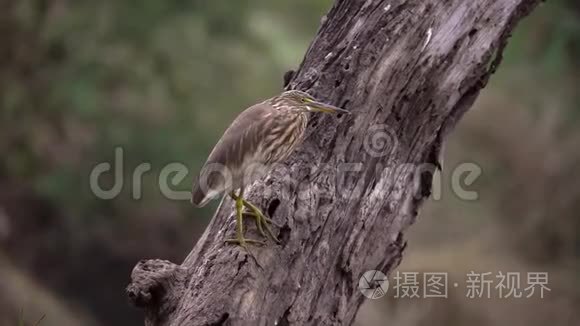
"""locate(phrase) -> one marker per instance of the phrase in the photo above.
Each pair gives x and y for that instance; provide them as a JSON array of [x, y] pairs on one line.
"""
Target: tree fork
[[408, 71]]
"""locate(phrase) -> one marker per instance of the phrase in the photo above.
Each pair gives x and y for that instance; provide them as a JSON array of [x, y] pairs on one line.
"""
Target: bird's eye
[[304, 100]]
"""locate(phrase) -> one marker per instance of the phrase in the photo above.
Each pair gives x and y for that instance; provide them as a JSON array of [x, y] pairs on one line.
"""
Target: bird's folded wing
[[235, 152]]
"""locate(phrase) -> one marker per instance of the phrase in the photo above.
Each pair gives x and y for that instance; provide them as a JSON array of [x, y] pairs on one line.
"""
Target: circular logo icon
[[373, 284], [380, 140]]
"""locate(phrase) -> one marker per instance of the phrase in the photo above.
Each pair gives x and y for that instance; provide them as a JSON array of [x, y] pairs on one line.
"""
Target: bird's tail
[[200, 196]]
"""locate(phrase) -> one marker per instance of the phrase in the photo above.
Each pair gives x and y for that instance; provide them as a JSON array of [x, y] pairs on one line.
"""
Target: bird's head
[[304, 102]]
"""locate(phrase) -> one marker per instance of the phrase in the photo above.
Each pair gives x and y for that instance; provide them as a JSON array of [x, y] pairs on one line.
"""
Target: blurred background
[[162, 79]]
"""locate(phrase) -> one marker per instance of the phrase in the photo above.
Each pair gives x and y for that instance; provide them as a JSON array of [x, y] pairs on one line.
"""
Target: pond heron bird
[[262, 135]]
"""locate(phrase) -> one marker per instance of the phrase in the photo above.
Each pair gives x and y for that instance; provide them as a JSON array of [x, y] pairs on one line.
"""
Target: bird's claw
[[264, 217], [262, 222]]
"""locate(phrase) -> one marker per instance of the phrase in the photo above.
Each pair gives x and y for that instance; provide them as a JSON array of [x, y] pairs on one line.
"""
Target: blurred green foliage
[[159, 78], [543, 54]]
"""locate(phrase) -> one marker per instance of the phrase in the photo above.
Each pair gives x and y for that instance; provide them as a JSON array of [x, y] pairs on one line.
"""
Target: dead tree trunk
[[408, 70]]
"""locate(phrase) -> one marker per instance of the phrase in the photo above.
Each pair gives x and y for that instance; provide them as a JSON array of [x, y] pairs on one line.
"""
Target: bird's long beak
[[316, 106]]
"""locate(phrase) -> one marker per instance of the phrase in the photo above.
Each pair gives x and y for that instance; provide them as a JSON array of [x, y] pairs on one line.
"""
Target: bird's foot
[[262, 221], [240, 239]]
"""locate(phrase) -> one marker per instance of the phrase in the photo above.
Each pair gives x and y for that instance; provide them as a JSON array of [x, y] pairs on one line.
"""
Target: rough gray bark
[[408, 70]]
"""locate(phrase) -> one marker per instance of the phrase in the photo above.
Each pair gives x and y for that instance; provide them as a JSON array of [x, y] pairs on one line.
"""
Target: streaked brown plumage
[[263, 134]]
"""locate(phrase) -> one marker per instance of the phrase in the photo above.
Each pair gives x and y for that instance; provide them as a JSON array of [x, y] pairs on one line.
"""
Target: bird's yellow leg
[[261, 220], [239, 223]]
